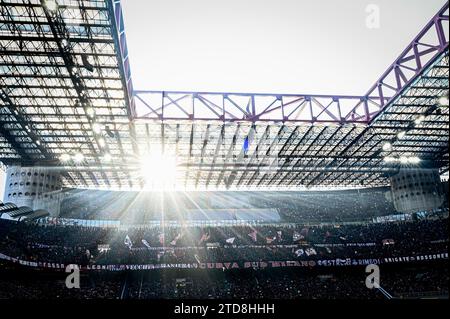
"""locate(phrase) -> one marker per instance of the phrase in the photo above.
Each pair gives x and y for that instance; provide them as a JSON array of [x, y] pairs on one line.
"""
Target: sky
[[268, 46]]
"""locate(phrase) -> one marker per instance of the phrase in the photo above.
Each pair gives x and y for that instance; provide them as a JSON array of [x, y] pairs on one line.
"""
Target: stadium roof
[[67, 102]]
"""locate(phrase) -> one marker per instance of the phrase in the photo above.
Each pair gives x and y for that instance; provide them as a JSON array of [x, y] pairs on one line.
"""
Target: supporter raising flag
[[310, 251], [162, 238], [230, 240], [128, 242], [270, 239], [388, 242], [176, 239], [299, 252], [146, 244], [297, 236], [279, 235], [205, 237], [254, 235]]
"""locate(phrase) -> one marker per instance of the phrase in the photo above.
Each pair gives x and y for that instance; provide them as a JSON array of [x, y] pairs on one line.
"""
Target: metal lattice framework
[[431, 42], [66, 89]]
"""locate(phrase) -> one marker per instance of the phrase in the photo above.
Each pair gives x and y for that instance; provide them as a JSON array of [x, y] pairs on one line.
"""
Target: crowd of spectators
[[80, 245], [311, 206], [330, 206], [276, 284], [417, 281], [51, 286], [280, 242]]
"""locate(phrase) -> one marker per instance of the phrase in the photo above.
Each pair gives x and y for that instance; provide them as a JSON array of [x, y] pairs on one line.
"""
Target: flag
[[162, 238], [246, 145], [297, 236], [146, 244], [310, 252], [205, 237], [299, 252], [175, 240], [128, 242], [279, 235], [231, 240], [253, 236]]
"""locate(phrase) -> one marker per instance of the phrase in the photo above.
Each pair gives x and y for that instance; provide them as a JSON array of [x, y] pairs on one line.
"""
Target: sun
[[158, 170]]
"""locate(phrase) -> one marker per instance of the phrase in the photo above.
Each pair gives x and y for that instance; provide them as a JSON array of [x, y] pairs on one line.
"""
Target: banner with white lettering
[[237, 265]]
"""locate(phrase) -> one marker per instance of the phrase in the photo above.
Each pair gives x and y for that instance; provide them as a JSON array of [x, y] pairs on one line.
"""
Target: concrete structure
[[34, 187], [417, 190]]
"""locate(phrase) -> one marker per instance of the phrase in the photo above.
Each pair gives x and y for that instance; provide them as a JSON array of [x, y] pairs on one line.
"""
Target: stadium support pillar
[[417, 190], [34, 187]]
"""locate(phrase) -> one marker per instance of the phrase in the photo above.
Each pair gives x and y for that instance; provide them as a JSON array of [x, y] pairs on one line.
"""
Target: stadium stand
[[197, 195], [74, 244], [139, 208], [11, 211]]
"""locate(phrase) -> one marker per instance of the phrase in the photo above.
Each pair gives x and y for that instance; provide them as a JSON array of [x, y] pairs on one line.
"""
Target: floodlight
[[387, 147], [389, 159], [101, 142], [107, 158], [90, 112], [420, 119], [78, 158], [401, 135], [64, 157], [51, 5], [97, 128], [443, 101], [414, 160]]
